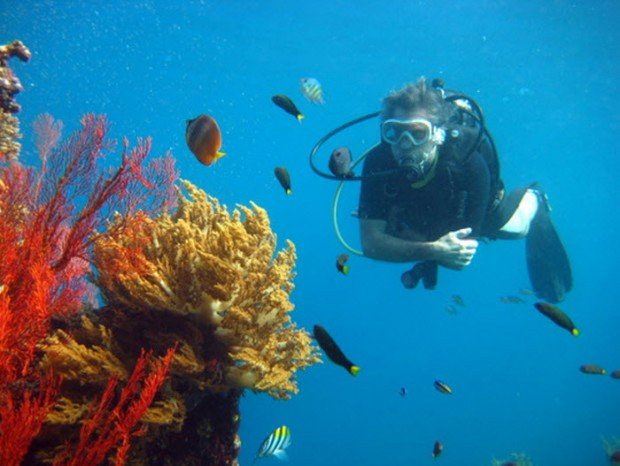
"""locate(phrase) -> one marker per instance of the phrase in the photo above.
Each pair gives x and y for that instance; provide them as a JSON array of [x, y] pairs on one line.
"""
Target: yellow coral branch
[[74, 361], [220, 269]]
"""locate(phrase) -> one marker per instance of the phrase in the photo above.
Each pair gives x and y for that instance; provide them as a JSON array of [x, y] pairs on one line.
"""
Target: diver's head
[[411, 122]]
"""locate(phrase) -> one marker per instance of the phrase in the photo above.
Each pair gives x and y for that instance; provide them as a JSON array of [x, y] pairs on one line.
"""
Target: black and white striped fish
[[275, 444]]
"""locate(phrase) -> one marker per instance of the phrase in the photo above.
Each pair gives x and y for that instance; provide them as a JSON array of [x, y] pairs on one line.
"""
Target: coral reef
[[218, 271], [208, 283], [612, 449], [9, 87], [515, 459], [196, 310], [49, 219]]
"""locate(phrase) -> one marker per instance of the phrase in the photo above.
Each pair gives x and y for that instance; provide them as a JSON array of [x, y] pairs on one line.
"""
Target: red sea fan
[[112, 425], [48, 222], [25, 415]]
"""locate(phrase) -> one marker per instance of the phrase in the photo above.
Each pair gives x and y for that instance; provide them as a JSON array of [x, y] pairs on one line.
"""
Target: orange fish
[[204, 139]]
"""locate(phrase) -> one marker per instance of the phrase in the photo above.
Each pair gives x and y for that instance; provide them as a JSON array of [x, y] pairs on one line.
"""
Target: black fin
[[547, 262], [426, 271]]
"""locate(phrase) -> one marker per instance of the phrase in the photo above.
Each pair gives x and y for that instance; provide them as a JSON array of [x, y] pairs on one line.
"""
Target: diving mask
[[418, 130]]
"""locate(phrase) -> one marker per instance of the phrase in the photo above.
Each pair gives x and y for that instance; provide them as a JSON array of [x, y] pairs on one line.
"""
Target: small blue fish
[[312, 90], [403, 391], [274, 445]]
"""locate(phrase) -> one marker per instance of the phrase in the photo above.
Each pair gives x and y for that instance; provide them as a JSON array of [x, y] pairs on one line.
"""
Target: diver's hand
[[454, 250]]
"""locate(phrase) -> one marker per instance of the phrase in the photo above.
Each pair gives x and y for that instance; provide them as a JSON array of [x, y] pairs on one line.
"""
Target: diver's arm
[[452, 250]]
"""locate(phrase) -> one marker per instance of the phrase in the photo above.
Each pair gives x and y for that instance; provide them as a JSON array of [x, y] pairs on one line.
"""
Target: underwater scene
[[309, 233]]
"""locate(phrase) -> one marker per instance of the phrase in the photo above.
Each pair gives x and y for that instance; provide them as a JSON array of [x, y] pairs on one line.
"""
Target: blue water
[[547, 76]]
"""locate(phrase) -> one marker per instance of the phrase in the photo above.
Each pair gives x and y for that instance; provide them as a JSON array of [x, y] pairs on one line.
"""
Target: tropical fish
[[204, 139], [558, 316], [437, 449], [333, 351], [312, 90], [341, 263], [287, 105], [403, 391], [615, 374], [442, 387], [284, 178], [340, 163], [275, 444], [511, 300], [457, 299], [592, 369]]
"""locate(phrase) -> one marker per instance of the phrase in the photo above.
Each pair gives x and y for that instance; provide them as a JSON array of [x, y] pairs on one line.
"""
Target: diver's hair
[[418, 95]]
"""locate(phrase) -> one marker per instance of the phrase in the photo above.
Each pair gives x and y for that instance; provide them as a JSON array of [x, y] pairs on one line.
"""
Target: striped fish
[[312, 90], [275, 444]]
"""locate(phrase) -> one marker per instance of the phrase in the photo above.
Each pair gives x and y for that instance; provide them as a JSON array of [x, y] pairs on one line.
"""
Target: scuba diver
[[431, 190]]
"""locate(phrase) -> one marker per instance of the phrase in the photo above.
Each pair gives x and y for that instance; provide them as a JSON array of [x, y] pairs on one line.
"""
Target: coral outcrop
[[9, 87], [219, 272], [516, 459], [208, 283], [196, 305]]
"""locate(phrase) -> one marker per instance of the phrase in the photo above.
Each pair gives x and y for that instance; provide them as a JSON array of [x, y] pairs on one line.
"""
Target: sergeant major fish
[[311, 90], [275, 444]]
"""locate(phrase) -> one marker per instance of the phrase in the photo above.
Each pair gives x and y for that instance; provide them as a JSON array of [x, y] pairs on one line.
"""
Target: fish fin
[[345, 269], [354, 370], [289, 192], [575, 332], [219, 154], [281, 455], [547, 262], [300, 117]]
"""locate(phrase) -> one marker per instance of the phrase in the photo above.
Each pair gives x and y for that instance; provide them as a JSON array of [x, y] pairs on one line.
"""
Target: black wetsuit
[[459, 195]]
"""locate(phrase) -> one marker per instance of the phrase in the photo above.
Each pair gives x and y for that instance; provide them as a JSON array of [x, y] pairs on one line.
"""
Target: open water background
[[546, 74]]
